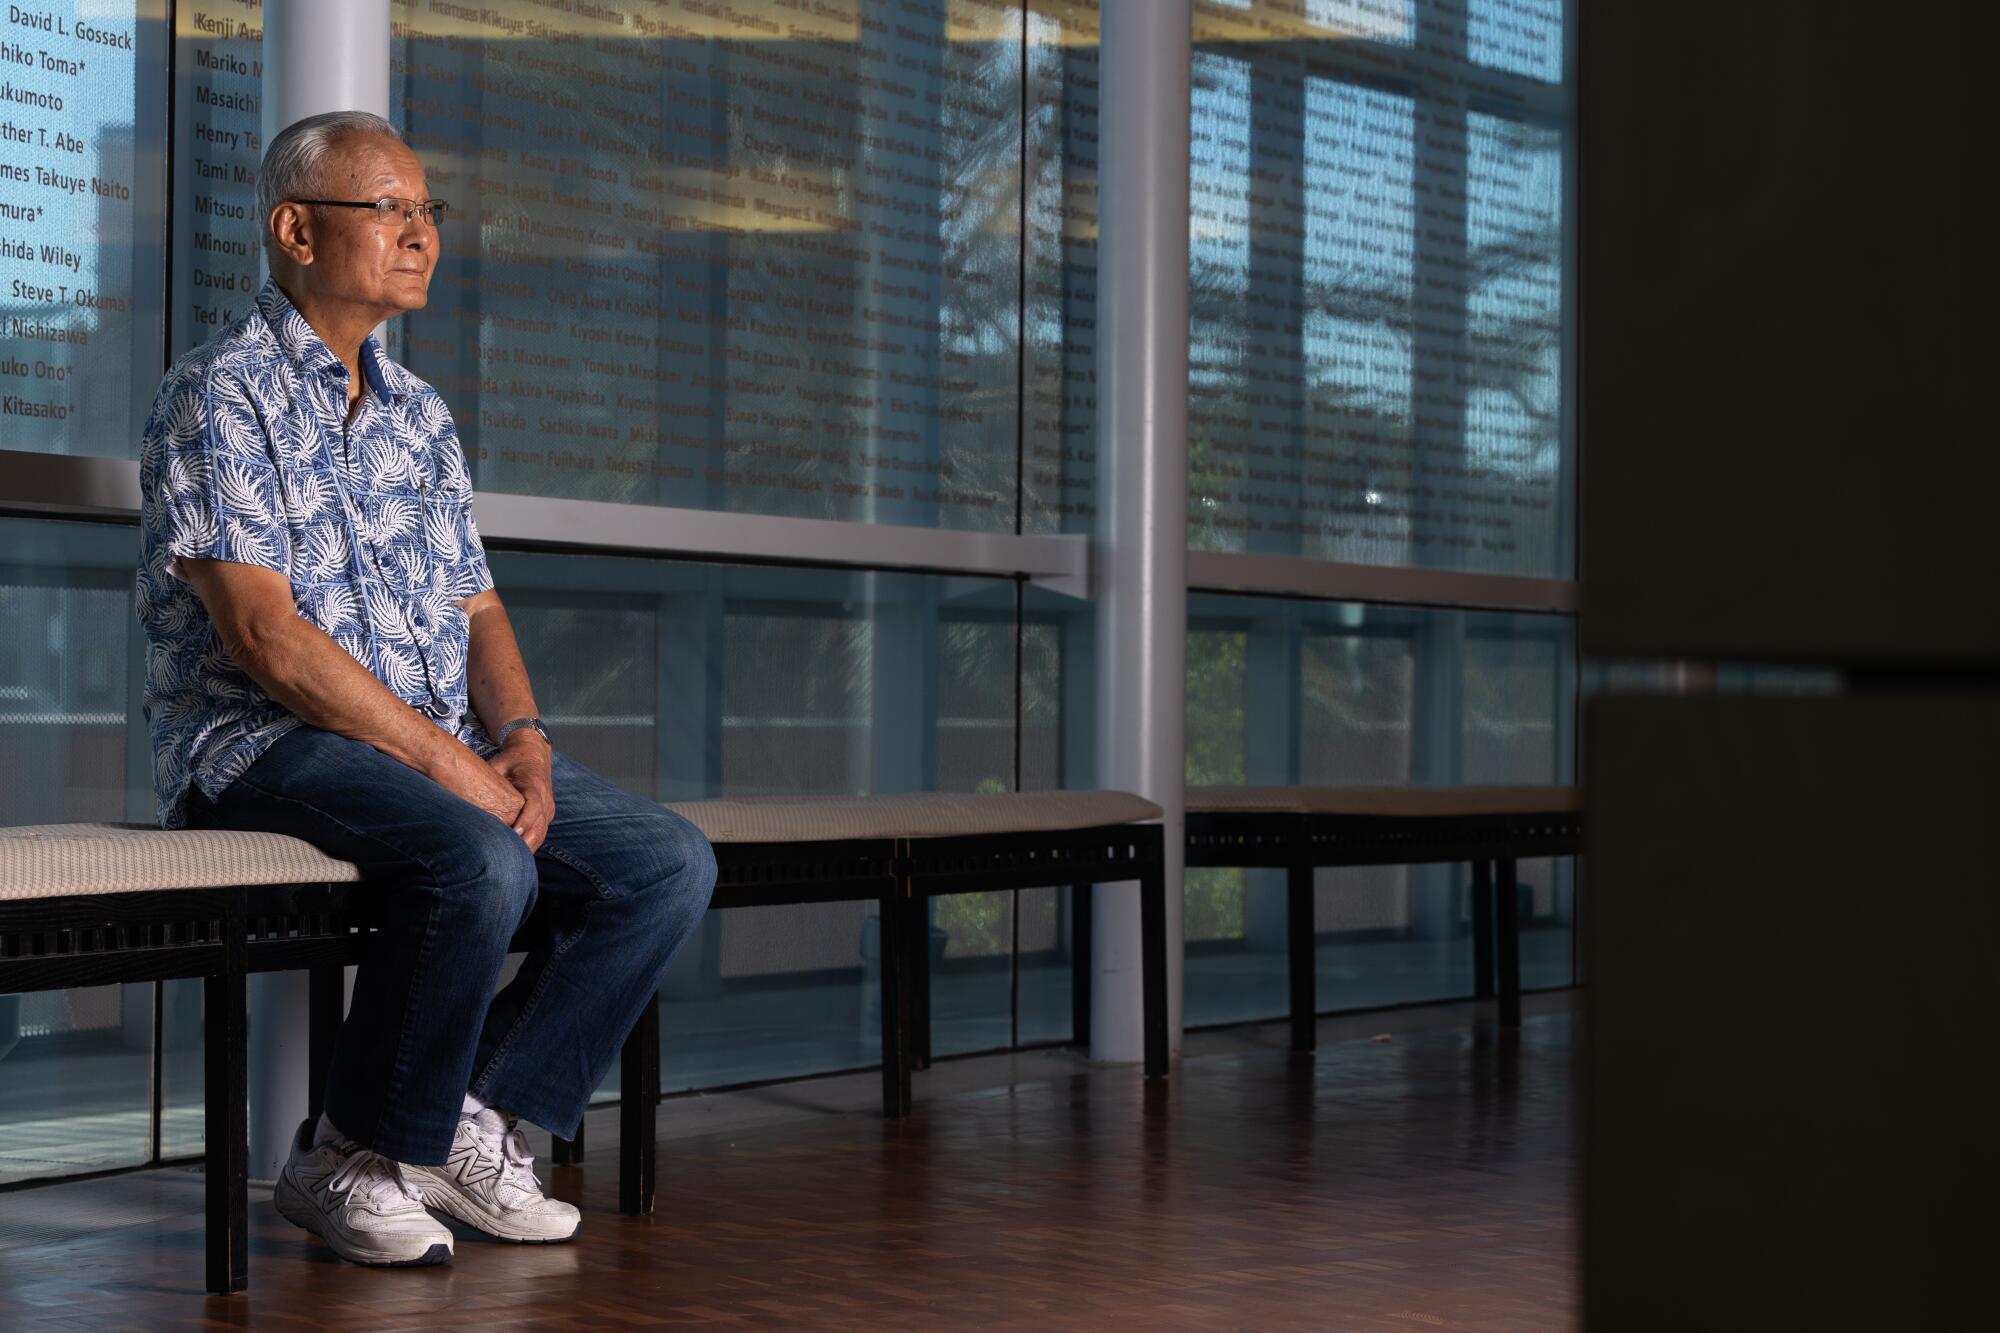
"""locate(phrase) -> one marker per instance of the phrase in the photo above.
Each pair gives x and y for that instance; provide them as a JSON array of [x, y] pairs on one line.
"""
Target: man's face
[[357, 260]]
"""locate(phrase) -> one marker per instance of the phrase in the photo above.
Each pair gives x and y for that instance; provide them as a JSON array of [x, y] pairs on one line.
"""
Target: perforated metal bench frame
[[1300, 843]]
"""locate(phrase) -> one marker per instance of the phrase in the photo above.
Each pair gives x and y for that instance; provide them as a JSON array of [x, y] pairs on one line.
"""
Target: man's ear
[[291, 226]]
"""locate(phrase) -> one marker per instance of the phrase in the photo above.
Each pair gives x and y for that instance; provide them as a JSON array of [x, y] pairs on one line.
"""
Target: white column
[[317, 57], [324, 57], [1140, 564]]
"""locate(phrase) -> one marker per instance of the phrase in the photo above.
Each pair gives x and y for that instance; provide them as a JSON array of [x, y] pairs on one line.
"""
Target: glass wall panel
[[181, 1070], [1519, 36], [1058, 750], [759, 256], [680, 681], [972, 934], [76, 1080], [1043, 958], [218, 145], [1327, 693], [82, 222], [76, 1066], [1376, 316], [1059, 283], [69, 657], [1376, 303]]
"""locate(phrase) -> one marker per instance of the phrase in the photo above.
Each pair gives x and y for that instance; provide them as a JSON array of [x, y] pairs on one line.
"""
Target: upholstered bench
[[1300, 829], [901, 851], [94, 904], [930, 844]]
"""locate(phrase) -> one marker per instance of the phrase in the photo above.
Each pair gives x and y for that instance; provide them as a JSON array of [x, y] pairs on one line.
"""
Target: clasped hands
[[514, 786]]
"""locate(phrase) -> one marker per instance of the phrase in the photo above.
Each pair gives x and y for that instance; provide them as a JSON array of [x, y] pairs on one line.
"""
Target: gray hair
[[295, 160]]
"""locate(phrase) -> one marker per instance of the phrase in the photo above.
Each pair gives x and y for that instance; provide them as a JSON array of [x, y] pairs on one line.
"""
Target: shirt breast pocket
[[445, 528]]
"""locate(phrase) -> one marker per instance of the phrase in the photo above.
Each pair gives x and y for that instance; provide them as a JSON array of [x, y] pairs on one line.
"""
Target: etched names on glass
[[1059, 355], [760, 256], [218, 142], [81, 161], [1376, 300]]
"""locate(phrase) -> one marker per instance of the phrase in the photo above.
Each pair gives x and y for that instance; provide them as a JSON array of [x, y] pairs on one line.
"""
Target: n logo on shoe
[[465, 1164]]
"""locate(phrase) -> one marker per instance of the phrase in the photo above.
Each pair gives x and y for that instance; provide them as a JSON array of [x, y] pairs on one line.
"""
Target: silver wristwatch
[[509, 728]]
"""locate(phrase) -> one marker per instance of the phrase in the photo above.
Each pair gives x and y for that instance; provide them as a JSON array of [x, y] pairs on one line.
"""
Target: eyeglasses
[[391, 212]]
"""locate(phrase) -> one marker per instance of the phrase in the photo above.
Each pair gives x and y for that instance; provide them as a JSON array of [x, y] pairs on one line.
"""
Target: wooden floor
[[1416, 1173]]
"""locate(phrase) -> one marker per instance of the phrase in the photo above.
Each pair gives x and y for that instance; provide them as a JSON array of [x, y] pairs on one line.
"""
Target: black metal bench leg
[[1153, 943], [919, 940], [1482, 930], [895, 1005], [1081, 905], [226, 1116], [1301, 957], [1510, 946], [638, 1106], [326, 1001], [567, 1152]]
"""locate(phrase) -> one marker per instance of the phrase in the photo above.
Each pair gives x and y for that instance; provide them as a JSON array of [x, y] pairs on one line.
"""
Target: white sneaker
[[360, 1202], [489, 1182]]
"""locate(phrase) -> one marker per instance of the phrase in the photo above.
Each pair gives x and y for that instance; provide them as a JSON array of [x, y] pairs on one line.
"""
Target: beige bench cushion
[[919, 815], [1394, 802], [50, 860]]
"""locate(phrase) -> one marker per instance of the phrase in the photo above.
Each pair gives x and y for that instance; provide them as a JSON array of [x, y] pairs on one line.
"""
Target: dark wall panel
[[1790, 1013], [1787, 295]]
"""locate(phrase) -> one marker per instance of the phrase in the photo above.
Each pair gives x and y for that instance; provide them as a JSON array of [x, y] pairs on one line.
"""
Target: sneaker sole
[[446, 1199], [309, 1219]]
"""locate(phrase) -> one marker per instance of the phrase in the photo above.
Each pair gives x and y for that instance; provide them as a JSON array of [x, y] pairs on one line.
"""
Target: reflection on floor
[[78, 1113], [1417, 1171]]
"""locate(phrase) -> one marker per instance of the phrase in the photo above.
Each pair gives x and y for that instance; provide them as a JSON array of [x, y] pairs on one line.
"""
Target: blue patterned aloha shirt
[[248, 457]]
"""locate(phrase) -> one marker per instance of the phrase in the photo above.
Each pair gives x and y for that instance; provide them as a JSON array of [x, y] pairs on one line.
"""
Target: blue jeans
[[625, 882]]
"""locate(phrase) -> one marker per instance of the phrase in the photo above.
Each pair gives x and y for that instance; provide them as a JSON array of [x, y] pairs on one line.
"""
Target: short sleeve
[[469, 575], [212, 488]]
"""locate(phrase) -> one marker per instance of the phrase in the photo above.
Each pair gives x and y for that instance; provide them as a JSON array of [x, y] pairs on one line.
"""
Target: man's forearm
[[307, 672], [496, 678]]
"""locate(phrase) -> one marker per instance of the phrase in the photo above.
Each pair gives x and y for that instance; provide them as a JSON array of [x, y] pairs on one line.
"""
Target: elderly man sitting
[[327, 658]]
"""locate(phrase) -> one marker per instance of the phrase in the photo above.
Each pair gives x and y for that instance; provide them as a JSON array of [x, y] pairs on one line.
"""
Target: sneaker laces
[[504, 1136], [378, 1180]]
